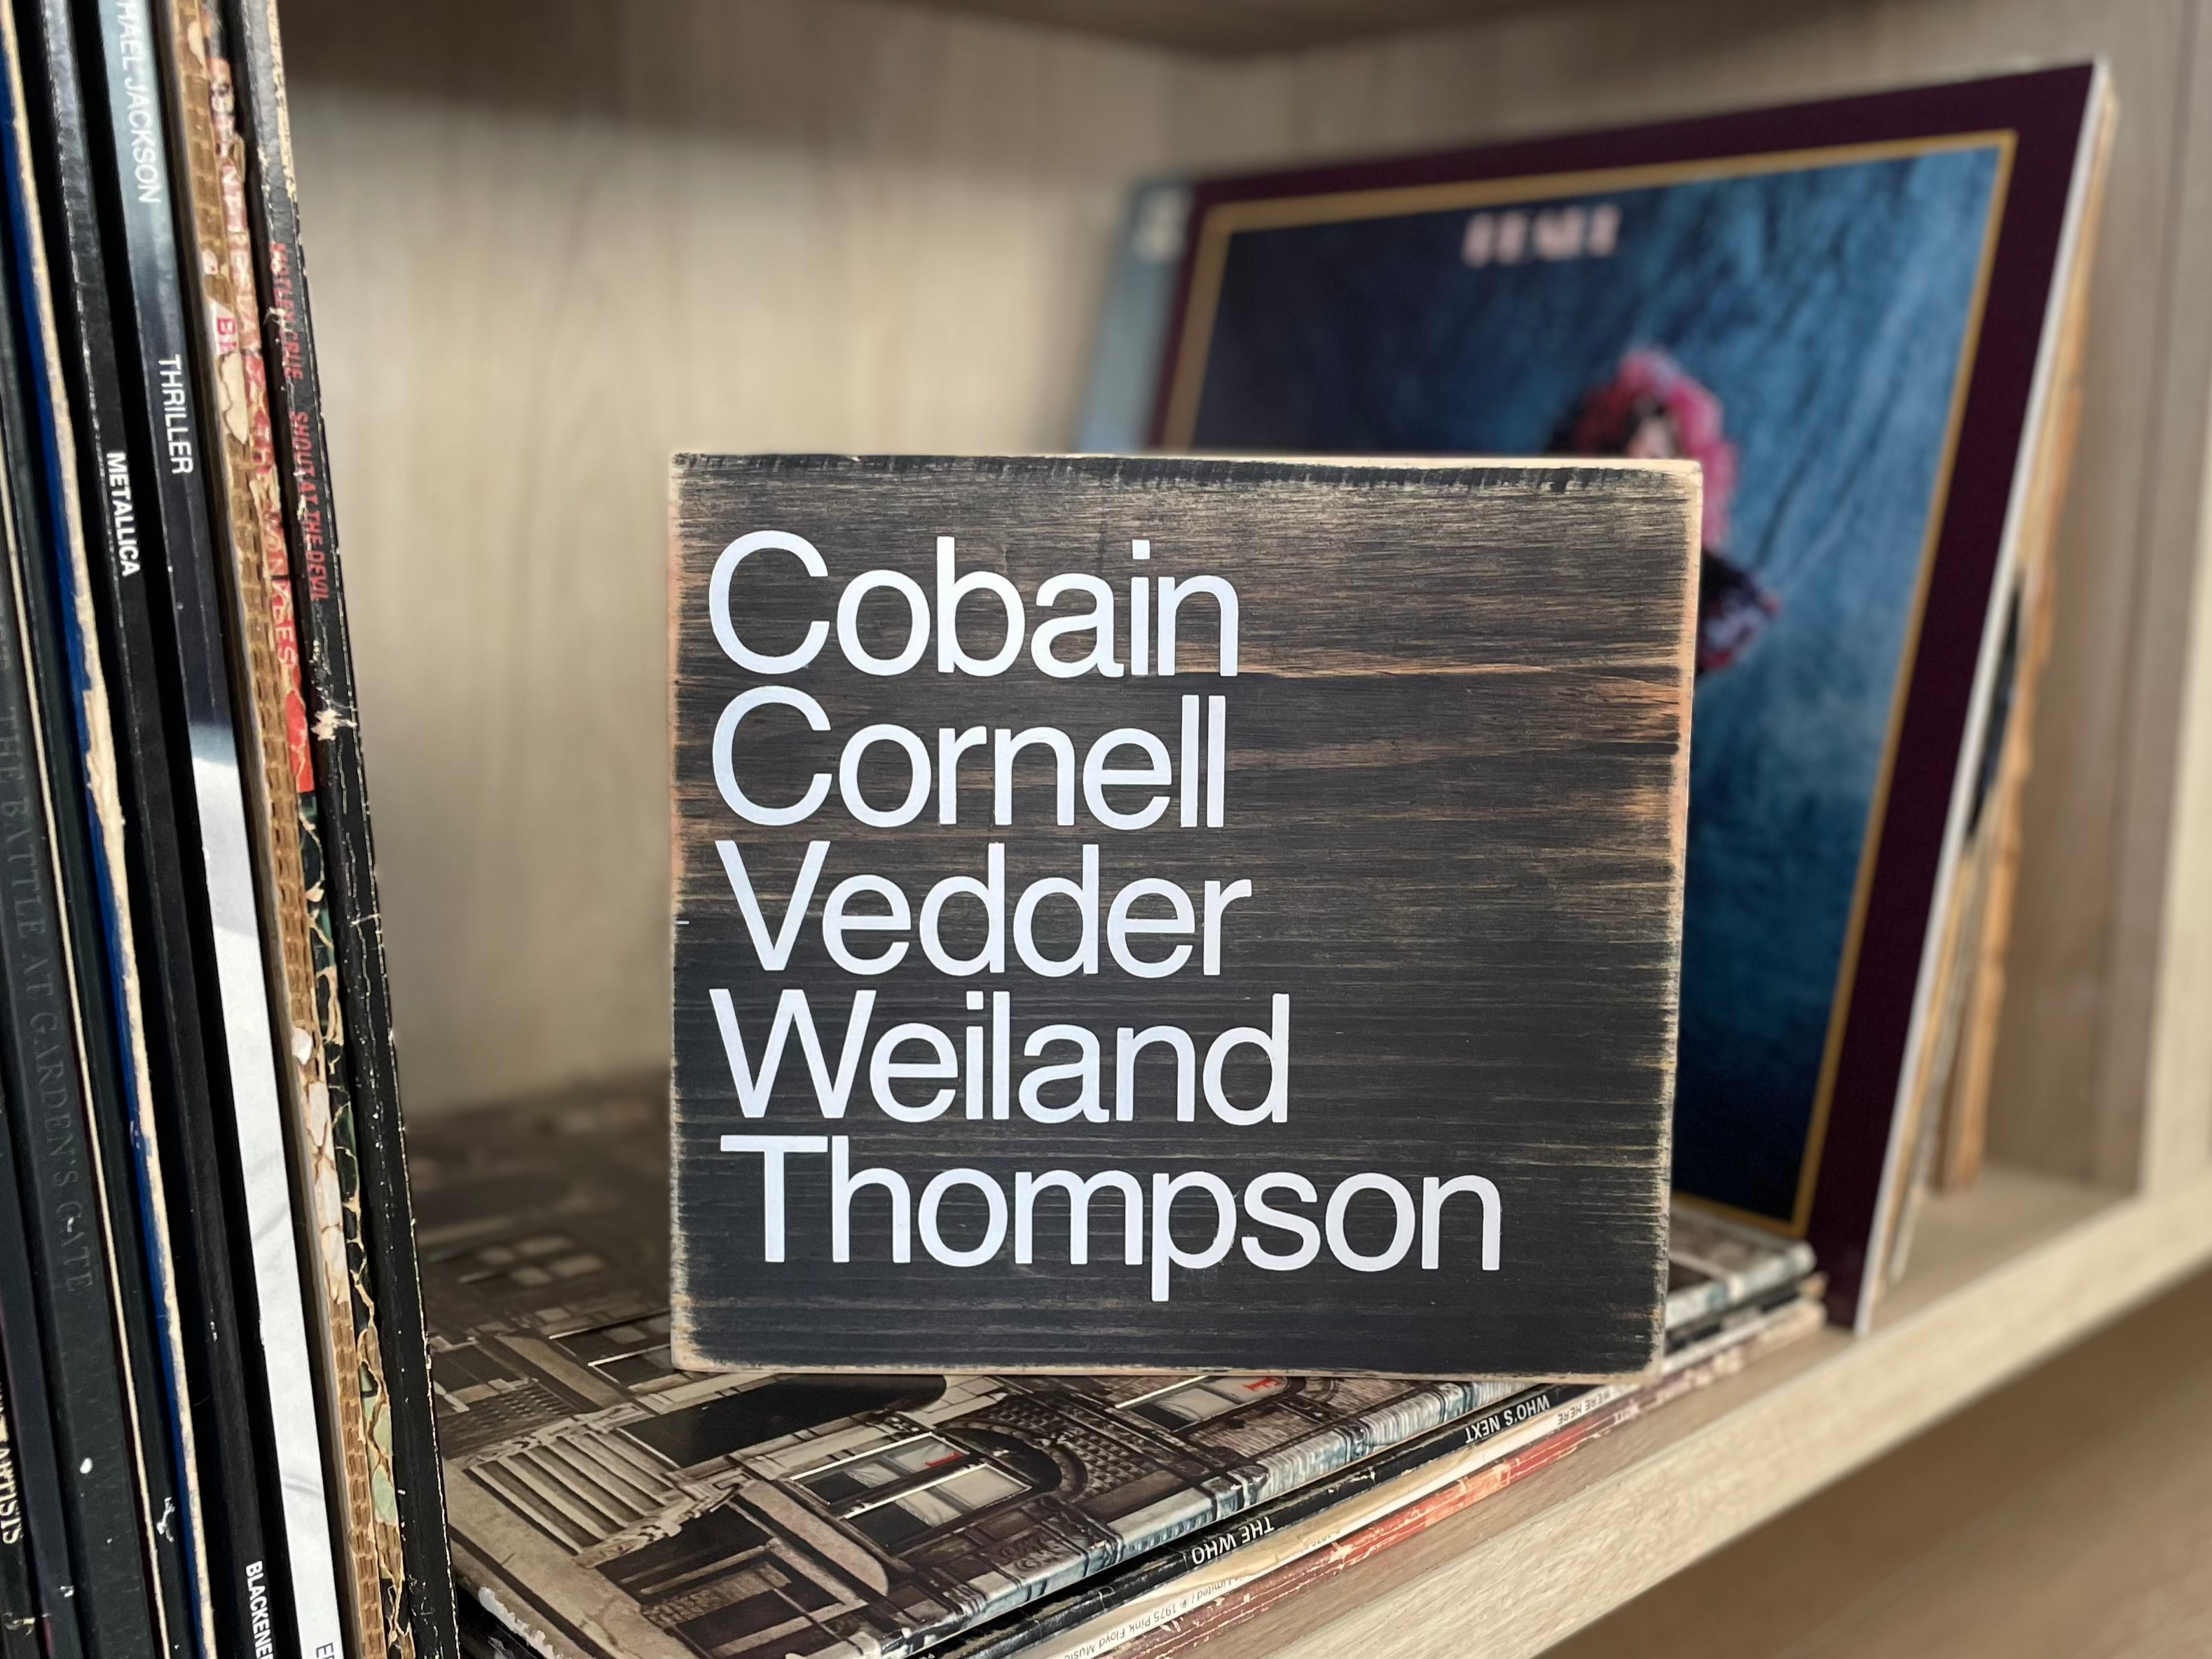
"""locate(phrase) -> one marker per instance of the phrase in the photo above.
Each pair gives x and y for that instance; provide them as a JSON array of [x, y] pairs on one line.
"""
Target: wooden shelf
[[546, 254], [545, 257], [2004, 1276]]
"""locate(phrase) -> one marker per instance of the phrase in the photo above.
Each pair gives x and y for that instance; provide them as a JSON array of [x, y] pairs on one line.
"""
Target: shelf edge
[[1517, 1591]]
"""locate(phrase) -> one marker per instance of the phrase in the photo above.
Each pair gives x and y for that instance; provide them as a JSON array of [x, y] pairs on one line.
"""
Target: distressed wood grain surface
[[1452, 767]]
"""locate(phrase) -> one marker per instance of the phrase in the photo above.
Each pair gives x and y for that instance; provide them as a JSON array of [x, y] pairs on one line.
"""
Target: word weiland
[[869, 926], [833, 1087], [1259, 1204]]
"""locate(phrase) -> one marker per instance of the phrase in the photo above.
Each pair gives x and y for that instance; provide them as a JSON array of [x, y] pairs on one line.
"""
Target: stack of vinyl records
[[216, 1397], [608, 1504]]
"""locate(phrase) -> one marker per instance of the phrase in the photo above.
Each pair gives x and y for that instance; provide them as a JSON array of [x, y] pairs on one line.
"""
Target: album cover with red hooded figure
[[1852, 314]]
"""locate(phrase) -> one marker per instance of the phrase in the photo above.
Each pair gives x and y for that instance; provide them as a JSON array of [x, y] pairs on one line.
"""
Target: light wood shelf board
[[2069, 1516], [2005, 1276], [1962, 1238]]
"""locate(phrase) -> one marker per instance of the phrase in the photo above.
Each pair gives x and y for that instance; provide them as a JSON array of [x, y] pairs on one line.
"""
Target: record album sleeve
[[19, 1602], [179, 1150], [224, 901], [287, 838], [1850, 313], [762, 1514], [78, 1244], [1234, 1592], [48, 1597], [70, 684], [356, 918]]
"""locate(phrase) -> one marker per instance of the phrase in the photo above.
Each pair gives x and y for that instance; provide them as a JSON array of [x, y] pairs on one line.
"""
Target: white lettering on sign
[[1080, 915], [993, 601], [1200, 1201]]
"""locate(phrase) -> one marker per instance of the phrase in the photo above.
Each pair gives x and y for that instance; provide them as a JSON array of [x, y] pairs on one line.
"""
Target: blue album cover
[[1803, 326], [1117, 400]]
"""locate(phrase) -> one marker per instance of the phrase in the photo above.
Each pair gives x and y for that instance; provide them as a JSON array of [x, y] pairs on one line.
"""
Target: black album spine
[[295, 397], [252, 574], [19, 1602], [70, 685], [41, 1527], [114, 470], [41, 1064], [141, 207]]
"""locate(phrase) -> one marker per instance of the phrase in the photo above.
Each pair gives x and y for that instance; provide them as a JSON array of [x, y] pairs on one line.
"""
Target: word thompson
[[1196, 1187]]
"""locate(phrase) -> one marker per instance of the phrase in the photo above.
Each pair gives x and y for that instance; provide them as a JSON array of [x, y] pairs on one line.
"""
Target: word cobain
[[865, 919]]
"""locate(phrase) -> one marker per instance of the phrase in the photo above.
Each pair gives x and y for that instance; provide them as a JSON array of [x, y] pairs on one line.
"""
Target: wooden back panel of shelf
[[551, 243]]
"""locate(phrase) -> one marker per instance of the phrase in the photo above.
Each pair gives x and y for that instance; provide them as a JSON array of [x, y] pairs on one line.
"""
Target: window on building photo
[[860, 1476], [1184, 1405], [897, 1493]]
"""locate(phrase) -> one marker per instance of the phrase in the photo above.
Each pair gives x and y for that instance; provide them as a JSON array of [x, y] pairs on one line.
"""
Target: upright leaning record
[[1176, 914]]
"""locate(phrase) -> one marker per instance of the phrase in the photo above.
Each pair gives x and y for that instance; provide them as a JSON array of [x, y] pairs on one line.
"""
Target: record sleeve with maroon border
[[2048, 119]]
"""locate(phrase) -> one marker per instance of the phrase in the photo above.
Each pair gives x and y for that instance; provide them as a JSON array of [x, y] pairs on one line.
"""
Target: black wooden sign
[[1192, 914]]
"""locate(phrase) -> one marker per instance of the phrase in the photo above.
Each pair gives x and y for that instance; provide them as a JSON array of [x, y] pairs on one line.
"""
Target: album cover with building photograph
[[604, 1503]]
